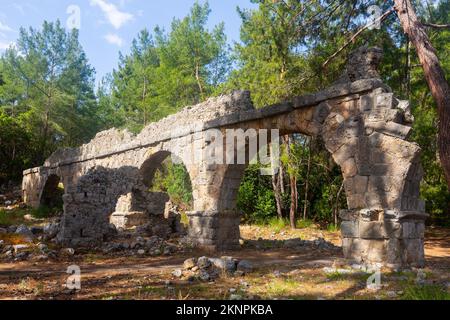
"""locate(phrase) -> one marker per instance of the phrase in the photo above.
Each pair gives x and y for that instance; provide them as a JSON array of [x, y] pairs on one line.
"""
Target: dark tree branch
[[436, 26], [352, 39]]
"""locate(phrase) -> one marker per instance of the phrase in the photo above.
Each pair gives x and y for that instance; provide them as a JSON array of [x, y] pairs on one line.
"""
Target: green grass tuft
[[333, 228], [426, 292], [277, 224], [304, 223]]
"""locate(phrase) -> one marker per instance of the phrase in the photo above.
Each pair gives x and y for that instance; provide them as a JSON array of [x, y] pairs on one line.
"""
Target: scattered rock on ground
[[178, 273], [51, 230], [24, 231], [68, 251], [203, 262], [189, 263], [204, 275], [20, 248], [245, 266]]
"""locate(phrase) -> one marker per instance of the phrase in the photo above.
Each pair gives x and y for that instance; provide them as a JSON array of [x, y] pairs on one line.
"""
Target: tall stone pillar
[[384, 222], [214, 223]]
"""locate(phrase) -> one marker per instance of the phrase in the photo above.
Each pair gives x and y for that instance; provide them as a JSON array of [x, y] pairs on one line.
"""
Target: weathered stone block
[[372, 230], [128, 220], [413, 230], [356, 201], [350, 229], [360, 183], [366, 103], [349, 168]]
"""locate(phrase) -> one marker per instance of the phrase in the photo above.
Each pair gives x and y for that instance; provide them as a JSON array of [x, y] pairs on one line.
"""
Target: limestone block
[[404, 105], [349, 215], [374, 250], [375, 200], [357, 184], [356, 201], [362, 250], [413, 230], [349, 168], [372, 230], [380, 183], [413, 252], [395, 115], [381, 169], [385, 100], [380, 229], [321, 112], [366, 103], [354, 127], [350, 229], [346, 151], [126, 220]]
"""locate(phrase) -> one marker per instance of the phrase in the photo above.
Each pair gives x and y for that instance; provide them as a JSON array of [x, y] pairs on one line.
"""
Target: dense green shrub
[[16, 152], [174, 179]]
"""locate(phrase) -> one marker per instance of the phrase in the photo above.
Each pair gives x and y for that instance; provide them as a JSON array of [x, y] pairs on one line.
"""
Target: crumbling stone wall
[[364, 127]]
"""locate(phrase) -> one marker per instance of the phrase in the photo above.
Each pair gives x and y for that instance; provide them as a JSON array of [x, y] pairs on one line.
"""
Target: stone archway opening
[[251, 195], [156, 204], [52, 194], [171, 177]]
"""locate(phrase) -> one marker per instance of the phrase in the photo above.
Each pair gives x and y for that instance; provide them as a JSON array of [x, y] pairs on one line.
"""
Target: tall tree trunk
[[199, 82], [308, 170], [434, 75], [407, 86], [294, 192], [276, 191], [281, 179], [144, 94], [45, 128], [294, 201]]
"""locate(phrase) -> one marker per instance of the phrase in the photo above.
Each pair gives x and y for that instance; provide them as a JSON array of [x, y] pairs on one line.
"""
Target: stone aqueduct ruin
[[363, 125]]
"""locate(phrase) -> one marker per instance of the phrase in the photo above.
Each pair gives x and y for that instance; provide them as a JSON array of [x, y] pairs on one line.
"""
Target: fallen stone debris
[[209, 269]]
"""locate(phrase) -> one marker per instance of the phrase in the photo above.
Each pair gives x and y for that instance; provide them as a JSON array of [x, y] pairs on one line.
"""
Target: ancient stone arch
[[50, 192], [363, 125]]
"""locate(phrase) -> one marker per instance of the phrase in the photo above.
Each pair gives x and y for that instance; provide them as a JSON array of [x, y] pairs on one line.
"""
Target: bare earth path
[[279, 273]]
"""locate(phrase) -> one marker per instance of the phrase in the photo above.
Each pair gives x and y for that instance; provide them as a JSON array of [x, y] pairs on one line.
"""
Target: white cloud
[[5, 45], [4, 27], [116, 17], [114, 39]]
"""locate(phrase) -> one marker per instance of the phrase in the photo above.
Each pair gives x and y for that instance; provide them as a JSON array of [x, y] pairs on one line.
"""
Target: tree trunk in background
[[407, 75], [305, 206], [434, 75], [293, 187], [276, 192], [281, 178], [294, 204]]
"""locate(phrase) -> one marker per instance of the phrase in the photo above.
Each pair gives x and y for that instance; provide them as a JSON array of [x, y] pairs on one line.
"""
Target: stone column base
[[213, 230], [392, 238]]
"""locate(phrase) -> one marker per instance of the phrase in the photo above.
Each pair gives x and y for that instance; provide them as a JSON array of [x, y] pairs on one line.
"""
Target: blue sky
[[108, 26]]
